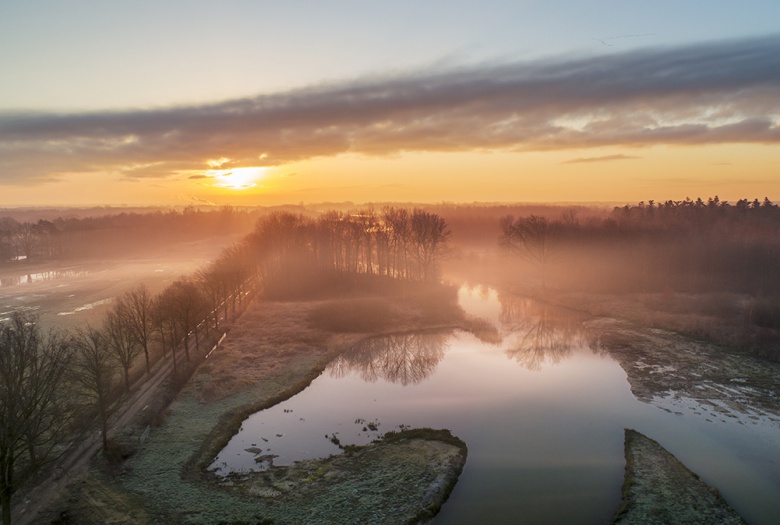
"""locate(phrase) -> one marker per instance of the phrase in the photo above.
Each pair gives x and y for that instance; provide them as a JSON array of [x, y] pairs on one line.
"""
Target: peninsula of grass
[[659, 489]]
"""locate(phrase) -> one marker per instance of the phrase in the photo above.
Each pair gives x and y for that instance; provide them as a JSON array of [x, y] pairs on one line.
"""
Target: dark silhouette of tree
[[186, 307], [399, 239], [545, 333], [406, 358], [25, 239], [165, 326], [135, 308], [121, 341], [235, 270], [32, 413], [214, 287], [290, 249], [531, 237], [95, 371], [429, 234]]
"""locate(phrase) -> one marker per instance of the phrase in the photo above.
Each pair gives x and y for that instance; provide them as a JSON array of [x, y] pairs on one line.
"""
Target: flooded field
[[71, 295], [543, 415]]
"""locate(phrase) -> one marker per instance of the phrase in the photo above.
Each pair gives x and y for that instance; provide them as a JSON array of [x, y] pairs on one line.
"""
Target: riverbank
[[274, 351], [658, 489]]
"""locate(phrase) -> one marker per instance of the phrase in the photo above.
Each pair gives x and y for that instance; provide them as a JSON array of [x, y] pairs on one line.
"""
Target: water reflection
[[406, 358], [34, 277], [546, 446], [684, 376], [544, 334]]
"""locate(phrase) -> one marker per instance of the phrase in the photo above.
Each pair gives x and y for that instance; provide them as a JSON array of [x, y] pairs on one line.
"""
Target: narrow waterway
[[542, 414]]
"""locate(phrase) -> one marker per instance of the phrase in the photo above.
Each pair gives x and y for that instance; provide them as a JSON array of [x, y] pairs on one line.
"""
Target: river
[[542, 413]]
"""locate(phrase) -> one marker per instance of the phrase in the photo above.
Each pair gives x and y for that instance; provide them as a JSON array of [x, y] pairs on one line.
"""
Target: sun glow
[[237, 178]]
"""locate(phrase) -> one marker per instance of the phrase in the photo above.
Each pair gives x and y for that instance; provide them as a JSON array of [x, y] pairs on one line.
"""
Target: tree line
[[50, 382], [67, 237], [689, 247], [290, 250]]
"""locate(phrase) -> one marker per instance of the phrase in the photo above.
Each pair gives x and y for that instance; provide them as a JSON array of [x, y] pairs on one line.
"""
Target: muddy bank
[[658, 489], [680, 374]]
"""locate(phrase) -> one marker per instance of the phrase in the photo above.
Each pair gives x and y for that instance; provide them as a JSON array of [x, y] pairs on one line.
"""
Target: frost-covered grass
[[272, 353]]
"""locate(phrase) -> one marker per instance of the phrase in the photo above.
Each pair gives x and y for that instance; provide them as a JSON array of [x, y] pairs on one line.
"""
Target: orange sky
[[593, 175], [251, 104]]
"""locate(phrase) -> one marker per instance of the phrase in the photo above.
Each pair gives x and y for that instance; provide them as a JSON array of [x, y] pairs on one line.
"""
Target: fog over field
[[391, 262], [395, 303]]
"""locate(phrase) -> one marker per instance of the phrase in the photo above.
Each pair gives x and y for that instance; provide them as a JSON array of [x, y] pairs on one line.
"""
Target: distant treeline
[[689, 246], [707, 248], [117, 233], [293, 251]]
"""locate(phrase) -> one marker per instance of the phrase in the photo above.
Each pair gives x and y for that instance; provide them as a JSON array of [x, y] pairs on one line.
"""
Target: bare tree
[[400, 234], [95, 372], [430, 234], [235, 269], [186, 307], [121, 341], [211, 283], [165, 326], [532, 237], [136, 308], [404, 358], [32, 415], [25, 238]]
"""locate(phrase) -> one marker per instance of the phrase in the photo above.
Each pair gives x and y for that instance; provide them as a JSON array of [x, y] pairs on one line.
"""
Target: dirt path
[[77, 461]]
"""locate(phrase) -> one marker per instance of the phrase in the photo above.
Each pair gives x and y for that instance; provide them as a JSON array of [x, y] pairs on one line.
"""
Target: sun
[[237, 178]]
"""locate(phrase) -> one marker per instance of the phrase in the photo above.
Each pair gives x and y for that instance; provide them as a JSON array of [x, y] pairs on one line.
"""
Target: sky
[[245, 102]]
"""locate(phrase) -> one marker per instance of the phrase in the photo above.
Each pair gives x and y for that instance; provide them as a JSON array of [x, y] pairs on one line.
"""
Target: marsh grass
[[361, 315], [737, 323]]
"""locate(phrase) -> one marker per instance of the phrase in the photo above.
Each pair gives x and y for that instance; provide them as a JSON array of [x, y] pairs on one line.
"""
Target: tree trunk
[[146, 355], [225, 307], [104, 426], [5, 496]]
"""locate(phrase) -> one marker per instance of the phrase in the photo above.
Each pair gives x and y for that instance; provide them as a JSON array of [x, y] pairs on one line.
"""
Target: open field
[[67, 296]]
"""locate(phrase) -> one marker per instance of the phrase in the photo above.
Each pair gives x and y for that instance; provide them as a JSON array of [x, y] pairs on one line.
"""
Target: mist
[[219, 301]]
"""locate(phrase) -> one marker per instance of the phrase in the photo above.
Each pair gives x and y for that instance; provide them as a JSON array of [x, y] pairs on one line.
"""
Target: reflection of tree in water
[[545, 333], [405, 359]]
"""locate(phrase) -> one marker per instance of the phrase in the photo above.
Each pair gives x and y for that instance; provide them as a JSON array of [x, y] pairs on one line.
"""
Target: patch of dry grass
[[357, 315]]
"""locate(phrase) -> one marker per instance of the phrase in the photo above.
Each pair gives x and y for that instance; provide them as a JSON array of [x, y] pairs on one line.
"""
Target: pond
[[542, 413]]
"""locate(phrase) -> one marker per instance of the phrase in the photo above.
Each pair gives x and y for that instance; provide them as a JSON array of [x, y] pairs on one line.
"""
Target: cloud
[[721, 92], [605, 158]]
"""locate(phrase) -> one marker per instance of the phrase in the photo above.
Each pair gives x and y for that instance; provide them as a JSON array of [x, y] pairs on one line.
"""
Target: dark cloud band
[[723, 92]]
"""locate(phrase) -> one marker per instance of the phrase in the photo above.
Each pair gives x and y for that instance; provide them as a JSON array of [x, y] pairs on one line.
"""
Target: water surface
[[542, 414]]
